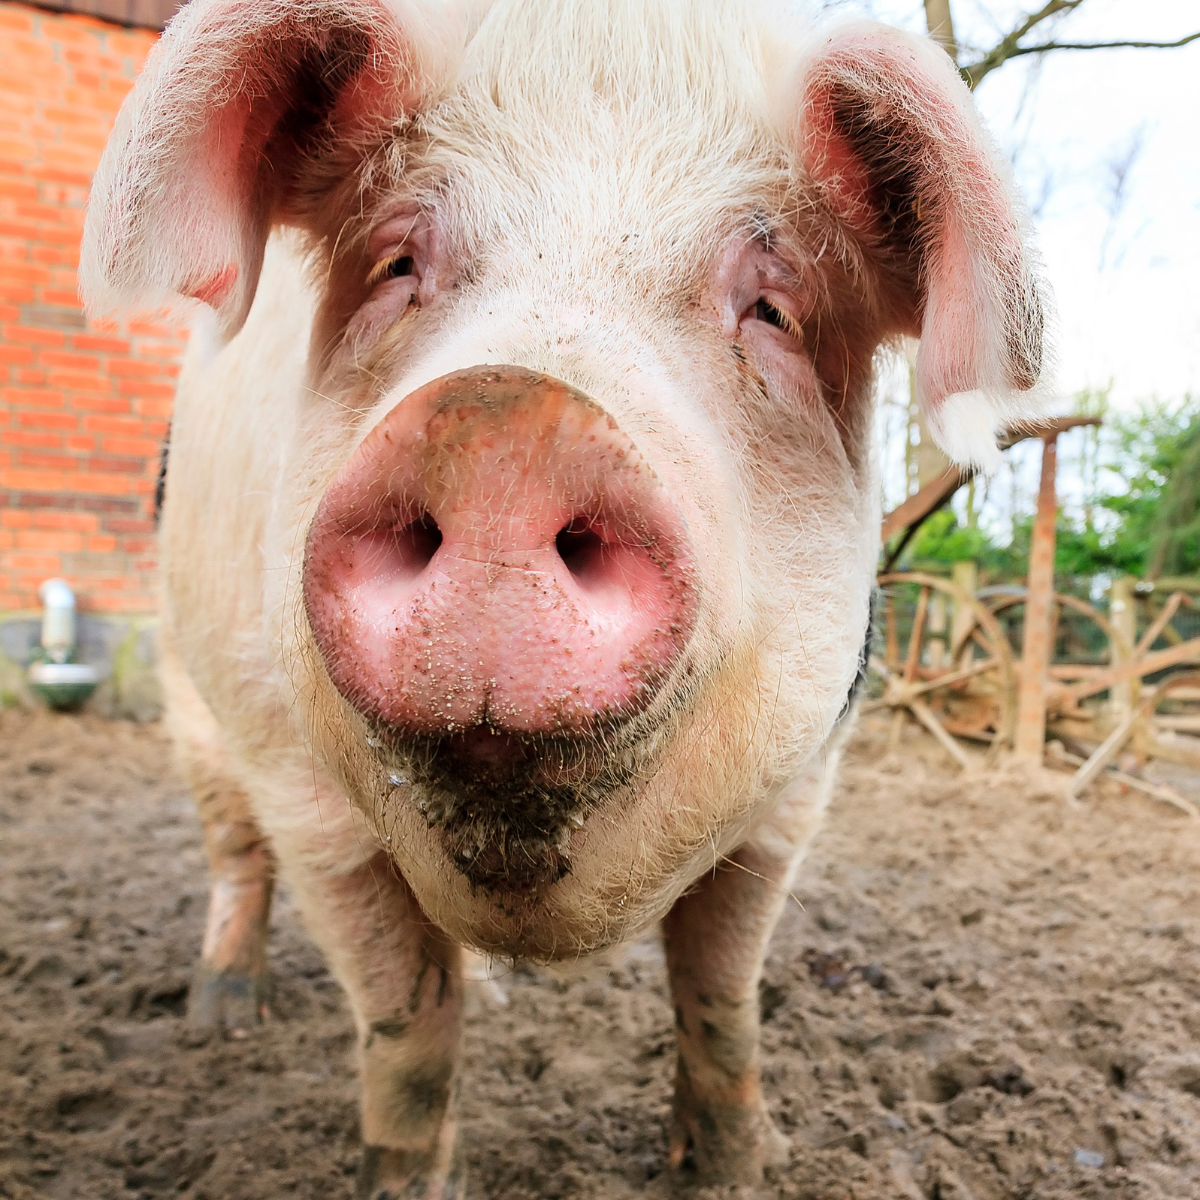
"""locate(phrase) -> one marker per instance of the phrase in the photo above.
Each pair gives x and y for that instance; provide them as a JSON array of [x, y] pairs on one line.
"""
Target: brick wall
[[83, 407]]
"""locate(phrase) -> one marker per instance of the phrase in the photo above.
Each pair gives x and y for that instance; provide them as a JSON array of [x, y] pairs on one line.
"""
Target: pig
[[519, 533]]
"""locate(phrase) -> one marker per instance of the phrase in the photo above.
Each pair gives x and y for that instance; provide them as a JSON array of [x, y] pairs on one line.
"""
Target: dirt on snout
[[988, 993]]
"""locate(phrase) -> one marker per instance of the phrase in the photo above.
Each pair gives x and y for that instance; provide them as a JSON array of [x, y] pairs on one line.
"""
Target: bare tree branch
[[1010, 47]]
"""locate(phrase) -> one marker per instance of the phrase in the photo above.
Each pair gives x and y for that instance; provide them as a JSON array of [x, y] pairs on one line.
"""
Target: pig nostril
[[416, 543], [581, 548]]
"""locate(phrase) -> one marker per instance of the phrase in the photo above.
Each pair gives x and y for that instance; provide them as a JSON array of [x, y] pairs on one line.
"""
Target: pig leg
[[403, 978], [716, 939], [229, 987]]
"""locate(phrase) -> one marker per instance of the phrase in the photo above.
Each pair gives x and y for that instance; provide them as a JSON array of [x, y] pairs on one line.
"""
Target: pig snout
[[497, 562]]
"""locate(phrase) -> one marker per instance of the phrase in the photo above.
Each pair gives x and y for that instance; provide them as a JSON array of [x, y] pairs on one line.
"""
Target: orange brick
[[83, 31], [48, 420], [78, 381], [19, 189], [103, 343], [117, 425], [143, 447], [40, 565], [161, 408], [143, 389], [129, 525], [16, 18], [35, 397], [134, 368], [27, 272], [34, 481], [29, 437], [66, 253], [83, 402], [17, 147], [16, 293], [40, 337], [71, 359], [25, 518], [15, 354], [66, 463], [64, 541]]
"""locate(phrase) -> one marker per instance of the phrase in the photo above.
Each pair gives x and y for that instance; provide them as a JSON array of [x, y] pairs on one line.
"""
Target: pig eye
[[771, 314], [397, 266]]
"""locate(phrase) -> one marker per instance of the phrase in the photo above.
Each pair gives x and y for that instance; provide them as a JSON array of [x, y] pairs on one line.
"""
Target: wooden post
[[1039, 614], [936, 647], [966, 576], [1122, 612]]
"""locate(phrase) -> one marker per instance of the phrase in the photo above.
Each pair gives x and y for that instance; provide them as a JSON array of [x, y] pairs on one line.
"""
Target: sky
[[1125, 272]]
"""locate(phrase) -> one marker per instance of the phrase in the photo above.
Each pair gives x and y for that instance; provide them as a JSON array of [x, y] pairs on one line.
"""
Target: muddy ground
[[988, 993]]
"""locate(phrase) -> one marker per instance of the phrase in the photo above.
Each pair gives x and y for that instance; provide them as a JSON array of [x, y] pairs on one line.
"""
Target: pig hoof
[[387, 1174], [721, 1145], [229, 1000]]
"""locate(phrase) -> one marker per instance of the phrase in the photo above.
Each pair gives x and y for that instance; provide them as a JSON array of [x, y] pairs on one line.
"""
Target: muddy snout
[[497, 556]]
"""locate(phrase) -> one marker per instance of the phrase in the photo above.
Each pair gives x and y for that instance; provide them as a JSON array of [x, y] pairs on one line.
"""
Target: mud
[[987, 993]]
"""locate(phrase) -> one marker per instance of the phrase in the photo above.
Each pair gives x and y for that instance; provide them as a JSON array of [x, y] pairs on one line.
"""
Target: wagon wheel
[[999, 605], [953, 674], [1103, 755]]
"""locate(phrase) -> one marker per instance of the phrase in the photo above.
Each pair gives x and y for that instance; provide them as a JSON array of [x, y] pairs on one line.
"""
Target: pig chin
[[504, 807]]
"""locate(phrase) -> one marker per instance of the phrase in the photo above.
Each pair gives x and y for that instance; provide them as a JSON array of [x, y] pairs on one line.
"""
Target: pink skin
[[497, 552]]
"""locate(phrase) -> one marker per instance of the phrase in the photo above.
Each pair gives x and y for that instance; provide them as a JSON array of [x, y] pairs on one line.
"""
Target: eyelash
[[764, 310], [395, 267]]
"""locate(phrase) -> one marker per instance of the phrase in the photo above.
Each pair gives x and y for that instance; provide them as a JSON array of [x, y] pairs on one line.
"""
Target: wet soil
[[987, 993]]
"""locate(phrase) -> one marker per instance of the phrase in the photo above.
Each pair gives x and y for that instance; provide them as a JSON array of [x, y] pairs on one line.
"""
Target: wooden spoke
[[914, 642], [1111, 746], [925, 715], [970, 692], [893, 644], [979, 640], [1160, 623], [987, 664]]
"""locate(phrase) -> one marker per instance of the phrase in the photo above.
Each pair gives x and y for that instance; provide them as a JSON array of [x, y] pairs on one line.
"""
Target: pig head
[[570, 514]]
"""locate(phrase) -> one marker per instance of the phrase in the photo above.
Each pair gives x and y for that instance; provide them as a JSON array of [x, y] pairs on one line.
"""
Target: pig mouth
[[506, 806]]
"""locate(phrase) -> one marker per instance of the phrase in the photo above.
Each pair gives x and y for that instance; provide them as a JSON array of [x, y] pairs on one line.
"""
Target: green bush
[[1140, 513]]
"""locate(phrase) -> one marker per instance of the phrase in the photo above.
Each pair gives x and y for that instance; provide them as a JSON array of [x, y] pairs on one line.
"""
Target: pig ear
[[237, 102], [888, 132]]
